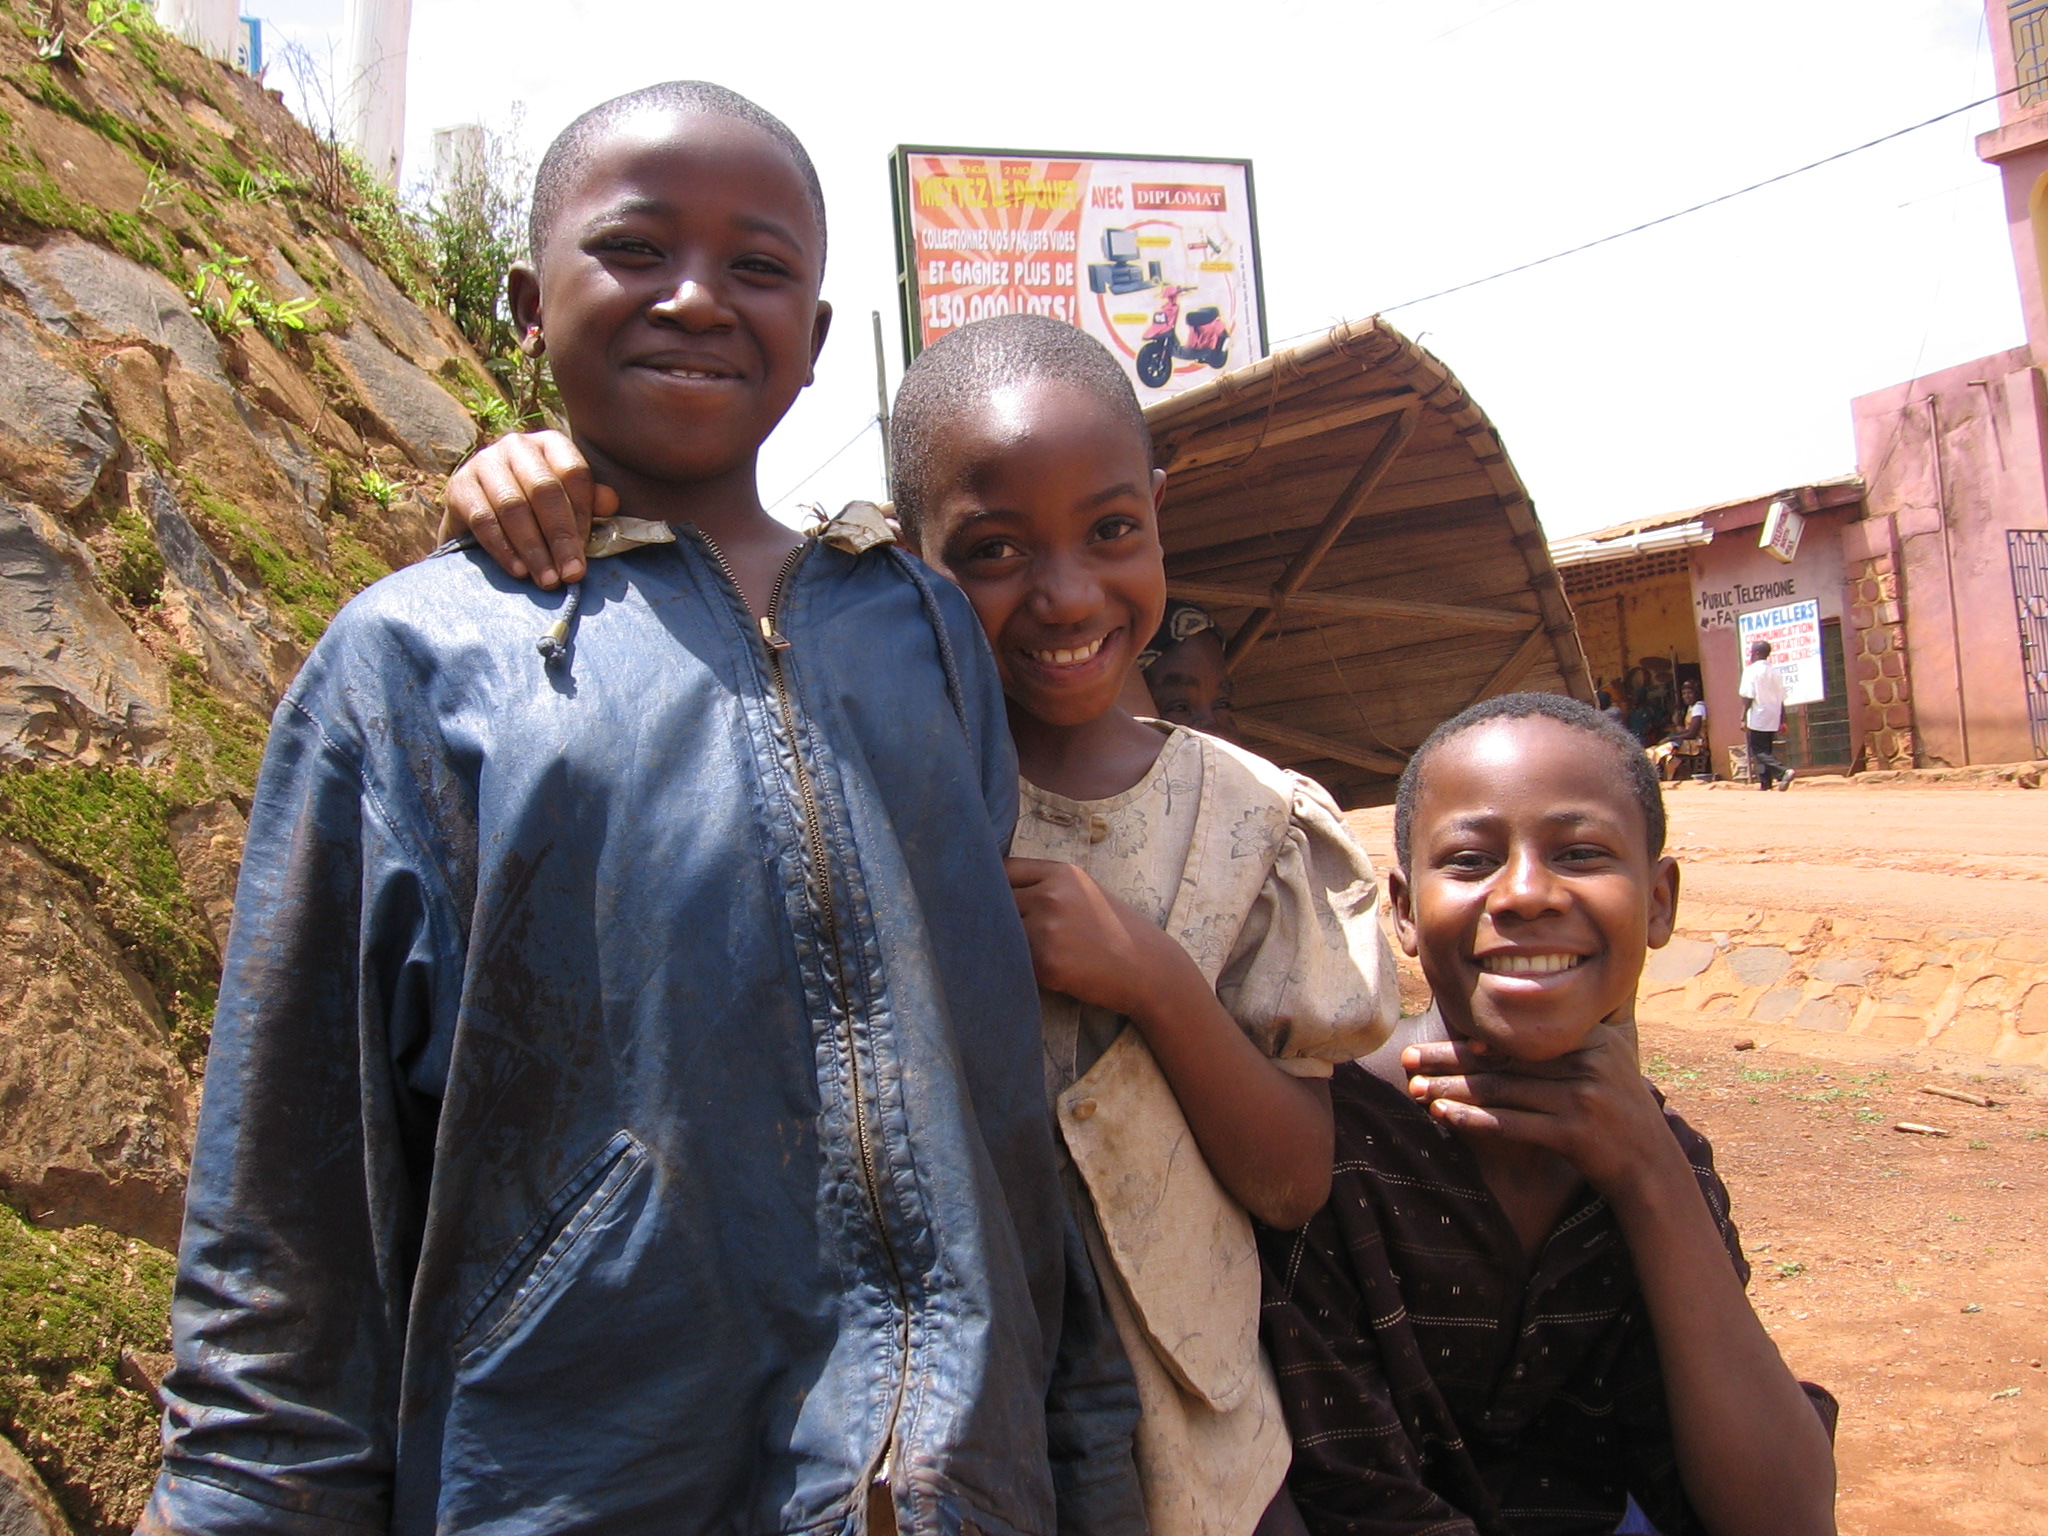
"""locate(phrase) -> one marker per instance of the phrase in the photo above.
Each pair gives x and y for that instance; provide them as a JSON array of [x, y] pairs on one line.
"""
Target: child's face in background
[[1191, 686], [677, 294], [1045, 511], [1531, 896]]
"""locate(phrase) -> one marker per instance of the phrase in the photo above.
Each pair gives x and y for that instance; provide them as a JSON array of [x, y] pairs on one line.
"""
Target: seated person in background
[[1522, 1310], [1684, 749], [1609, 709], [1184, 674], [1647, 715]]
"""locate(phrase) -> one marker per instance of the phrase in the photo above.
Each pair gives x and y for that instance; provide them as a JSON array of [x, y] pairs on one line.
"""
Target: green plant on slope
[[228, 299], [33, 197], [70, 1303], [104, 21], [474, 224], [379, 488], [393, 238], [304, 595], [108, 827], [138, 566], [158, 193], [493, 412]]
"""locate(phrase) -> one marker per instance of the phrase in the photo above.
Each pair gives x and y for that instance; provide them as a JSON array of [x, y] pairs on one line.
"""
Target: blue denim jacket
[[624, 1112]]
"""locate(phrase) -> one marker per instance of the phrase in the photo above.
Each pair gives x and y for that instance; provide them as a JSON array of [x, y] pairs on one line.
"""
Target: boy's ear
[[1158, 489], [1400, 896], [1663, 902], [820, 328], [522, 297]]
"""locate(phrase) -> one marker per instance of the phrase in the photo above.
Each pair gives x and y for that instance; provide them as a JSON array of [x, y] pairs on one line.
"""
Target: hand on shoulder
[[528, 500]]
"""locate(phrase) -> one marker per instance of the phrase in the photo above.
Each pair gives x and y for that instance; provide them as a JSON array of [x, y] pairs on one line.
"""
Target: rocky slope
[[223, 410]]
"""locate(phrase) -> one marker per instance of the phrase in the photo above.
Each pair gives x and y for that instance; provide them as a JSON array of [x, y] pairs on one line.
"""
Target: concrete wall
[[1620, 625], [1951, 462], [1732, 576], [211, 26]]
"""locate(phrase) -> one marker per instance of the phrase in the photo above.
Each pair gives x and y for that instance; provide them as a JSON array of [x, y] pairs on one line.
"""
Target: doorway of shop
[[2028, 548], [1817, 734]]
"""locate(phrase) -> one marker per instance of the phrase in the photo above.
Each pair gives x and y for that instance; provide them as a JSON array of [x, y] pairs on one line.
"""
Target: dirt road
[[1907, 1274], [1974, 857]]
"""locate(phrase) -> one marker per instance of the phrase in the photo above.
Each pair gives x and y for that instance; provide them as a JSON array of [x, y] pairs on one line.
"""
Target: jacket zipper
[[819, 858]]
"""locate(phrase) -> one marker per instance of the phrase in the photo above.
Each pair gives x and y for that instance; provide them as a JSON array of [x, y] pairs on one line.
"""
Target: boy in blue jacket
[[624, 1111]]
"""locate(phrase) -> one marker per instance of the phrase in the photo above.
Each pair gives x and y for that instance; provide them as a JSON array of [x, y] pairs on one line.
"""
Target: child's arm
[[528, 499], [1754, 1455], [307, 1189], [1266, 1135]]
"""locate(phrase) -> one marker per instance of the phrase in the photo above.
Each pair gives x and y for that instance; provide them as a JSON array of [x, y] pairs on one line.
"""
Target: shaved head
[[573, 145], [959, 375]]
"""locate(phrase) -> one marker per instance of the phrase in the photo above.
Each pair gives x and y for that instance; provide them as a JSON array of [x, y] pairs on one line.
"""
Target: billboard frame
[[908, 300]]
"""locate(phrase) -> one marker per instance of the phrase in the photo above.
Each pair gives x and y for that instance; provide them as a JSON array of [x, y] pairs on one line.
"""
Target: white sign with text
[[1794, 632]]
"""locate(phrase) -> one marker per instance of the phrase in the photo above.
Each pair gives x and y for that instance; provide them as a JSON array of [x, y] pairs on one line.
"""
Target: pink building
[[1656, 602], [1930, 565], [1951, 557]]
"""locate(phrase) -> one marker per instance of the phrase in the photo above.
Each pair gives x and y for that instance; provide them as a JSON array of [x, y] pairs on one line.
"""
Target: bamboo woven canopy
[[1351, 520]]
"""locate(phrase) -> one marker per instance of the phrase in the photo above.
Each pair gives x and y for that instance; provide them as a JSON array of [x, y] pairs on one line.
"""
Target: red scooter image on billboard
[[1207, 339]]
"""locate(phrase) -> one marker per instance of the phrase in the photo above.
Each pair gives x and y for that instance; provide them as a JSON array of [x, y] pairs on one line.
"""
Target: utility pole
[[374, 36], [882, 402]]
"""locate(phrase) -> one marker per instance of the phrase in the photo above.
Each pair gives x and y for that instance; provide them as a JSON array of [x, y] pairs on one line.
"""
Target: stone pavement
[[1883, 981]]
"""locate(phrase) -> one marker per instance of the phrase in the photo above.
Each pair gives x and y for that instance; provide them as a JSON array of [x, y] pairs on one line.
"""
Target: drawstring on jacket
[[553, 645]]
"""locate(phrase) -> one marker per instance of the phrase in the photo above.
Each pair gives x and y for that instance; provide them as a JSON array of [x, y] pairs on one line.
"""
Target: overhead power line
[[1755, 186], [865, 428]]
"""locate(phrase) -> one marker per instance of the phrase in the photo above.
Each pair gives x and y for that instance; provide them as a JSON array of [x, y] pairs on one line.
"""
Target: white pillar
[[372, 88], [211, 26], [458, 159]]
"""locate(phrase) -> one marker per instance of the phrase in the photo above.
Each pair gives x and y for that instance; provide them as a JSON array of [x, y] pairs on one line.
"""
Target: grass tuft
[[70, 1302], [108, 828]]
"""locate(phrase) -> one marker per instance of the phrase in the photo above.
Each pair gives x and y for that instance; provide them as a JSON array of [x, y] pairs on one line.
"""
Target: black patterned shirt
[[1436, 1382]]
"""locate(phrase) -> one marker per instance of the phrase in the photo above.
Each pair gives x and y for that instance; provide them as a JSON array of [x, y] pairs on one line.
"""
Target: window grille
[[2029, 22]]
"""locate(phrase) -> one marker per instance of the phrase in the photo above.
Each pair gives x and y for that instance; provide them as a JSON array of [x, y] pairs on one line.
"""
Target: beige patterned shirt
[[1249, 867]]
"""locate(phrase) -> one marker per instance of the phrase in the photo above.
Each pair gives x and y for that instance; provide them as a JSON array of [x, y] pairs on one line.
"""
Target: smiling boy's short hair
[[1632, 765], [959, 371], [572, 146]]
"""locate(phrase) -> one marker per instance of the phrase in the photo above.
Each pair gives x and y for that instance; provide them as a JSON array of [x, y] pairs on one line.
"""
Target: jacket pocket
[[522, 1282]]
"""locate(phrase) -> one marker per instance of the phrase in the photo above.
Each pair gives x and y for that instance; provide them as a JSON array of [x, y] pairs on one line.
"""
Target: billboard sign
[[1794, 632], [1157, 259]]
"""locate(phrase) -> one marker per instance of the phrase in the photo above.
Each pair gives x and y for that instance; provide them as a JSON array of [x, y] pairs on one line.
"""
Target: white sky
[[1399, 147]]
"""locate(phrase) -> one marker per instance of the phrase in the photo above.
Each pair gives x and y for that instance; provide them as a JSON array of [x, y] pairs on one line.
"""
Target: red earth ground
[[1908, 1274]]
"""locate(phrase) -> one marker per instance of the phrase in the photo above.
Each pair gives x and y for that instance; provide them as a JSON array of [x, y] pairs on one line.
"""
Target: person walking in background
[[1763, 689]]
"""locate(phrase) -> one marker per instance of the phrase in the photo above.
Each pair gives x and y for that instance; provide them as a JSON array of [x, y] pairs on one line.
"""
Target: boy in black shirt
[[1521, 1312]]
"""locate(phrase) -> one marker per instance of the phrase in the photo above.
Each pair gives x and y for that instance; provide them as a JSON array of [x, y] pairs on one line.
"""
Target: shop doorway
[[1817, 734], [2028, 548]]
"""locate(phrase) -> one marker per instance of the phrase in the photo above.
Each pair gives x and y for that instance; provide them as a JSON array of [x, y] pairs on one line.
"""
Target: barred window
[[2029, 21]]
